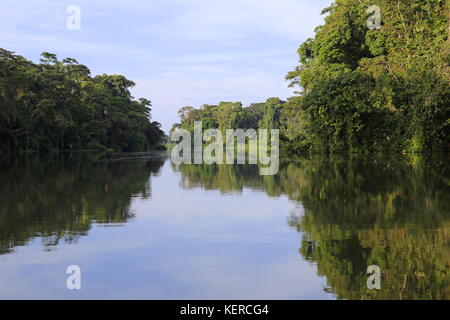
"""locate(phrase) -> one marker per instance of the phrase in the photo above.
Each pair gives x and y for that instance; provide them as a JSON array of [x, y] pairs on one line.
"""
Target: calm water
[[140, 227]]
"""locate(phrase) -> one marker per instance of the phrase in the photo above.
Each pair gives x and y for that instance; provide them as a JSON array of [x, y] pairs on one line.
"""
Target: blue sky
[[179, 52]]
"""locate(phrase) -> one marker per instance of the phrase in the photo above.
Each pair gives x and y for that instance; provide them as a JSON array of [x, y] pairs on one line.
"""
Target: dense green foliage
[[229, 115], [383, 89], [362, 89], [57, 105]]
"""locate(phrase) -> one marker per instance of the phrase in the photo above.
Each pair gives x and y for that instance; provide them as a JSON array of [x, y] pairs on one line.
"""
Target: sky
[[178, 52]]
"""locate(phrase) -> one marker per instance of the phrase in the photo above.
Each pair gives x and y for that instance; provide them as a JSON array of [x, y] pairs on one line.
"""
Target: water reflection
[[393, 212], [59, 199]]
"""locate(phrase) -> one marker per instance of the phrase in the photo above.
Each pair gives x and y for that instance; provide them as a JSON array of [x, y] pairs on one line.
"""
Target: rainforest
[[356, 207]]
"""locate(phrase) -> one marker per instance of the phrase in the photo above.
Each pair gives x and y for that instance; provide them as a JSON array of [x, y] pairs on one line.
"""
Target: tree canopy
[[377, 89], [58, 105], [360, 89]]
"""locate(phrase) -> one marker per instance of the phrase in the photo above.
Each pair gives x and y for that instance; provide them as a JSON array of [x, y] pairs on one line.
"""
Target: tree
[[385, 89], [57, 105]]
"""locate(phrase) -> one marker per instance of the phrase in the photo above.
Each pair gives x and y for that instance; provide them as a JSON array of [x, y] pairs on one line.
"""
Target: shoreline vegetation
[[361, 90], [58, 106]]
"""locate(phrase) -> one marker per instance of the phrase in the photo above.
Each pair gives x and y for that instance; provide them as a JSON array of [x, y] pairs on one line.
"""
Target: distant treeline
[[58, 105], [361, 89]]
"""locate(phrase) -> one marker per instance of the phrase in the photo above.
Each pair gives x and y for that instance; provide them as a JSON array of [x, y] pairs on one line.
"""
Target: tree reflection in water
[[59, 199], [391, 211]]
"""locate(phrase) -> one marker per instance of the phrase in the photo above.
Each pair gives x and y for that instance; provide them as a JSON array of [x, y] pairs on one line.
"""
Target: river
[[140, 227]]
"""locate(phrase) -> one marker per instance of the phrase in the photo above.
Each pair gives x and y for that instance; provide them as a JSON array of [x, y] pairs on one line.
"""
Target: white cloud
[[222, 20], [178, 52]]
